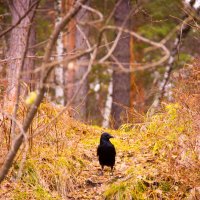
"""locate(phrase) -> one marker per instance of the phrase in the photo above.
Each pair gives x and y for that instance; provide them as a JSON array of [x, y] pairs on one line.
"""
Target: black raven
[[106, 152]]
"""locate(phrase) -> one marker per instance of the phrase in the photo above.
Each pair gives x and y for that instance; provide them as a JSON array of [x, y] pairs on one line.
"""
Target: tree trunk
[[78, 68], [137, 96], [81, 66], [108, 104], [17, 45], [69, 42], [185, 29], [59, 72], [121, 80]]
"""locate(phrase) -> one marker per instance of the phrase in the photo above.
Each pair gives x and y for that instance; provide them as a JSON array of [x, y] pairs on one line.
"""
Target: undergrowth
[[166, 162], [156, 159], [167, 152]]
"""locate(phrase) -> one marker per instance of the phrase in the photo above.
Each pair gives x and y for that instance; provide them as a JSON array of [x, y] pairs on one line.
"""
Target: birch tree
[[59, 71], [181, 34]]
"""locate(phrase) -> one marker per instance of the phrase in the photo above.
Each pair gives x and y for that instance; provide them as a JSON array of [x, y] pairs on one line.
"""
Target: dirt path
[[93, 183]]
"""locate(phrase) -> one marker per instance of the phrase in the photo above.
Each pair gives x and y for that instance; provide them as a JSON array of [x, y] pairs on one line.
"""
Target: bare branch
[[139, 37], [19, 21], [117, 38], [99, 14], [19, 139]]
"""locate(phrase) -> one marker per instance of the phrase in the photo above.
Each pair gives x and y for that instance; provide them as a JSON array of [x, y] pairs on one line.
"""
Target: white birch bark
[[59, 72], [108, 105]]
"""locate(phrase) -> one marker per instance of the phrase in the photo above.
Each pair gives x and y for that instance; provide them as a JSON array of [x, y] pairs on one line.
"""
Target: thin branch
[[19, 21], [111, 50], [113, 11], [185, 28], [170, 35], [139, 37], [65, 60], [33, 110], [99, 14]]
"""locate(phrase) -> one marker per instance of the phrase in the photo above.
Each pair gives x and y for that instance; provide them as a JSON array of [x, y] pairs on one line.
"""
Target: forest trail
[[63, 163], [94, 184]]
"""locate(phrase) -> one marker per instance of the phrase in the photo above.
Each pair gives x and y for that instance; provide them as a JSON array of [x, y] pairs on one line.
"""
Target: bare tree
[[121, 79]]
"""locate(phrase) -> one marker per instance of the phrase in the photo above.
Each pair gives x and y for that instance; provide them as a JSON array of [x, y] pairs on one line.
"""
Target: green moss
[[20, 195], [183, 58], [41, 193], [30, 175], [145, 154], [165, 186], [117, 190], [140, 186], [126, 190]]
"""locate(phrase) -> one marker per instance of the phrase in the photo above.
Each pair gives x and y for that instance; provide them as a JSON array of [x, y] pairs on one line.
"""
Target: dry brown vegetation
[[157, 158]]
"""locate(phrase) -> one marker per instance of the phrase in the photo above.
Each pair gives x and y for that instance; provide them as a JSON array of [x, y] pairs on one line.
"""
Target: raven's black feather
[[106, 151]]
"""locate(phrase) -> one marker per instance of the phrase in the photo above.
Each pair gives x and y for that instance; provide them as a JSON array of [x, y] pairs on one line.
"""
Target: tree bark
[[16, 47], [121, 80], [108, 104], [137, 96], [59, 71], [185, 29], [78, 68], [69, 43]]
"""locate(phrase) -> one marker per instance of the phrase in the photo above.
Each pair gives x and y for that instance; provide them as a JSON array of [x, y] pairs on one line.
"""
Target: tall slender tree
[[121, 79], [59, 71], [21, 39], [76, 70]]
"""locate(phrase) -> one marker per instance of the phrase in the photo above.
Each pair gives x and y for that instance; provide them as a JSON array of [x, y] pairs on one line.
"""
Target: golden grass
[[156, 159]]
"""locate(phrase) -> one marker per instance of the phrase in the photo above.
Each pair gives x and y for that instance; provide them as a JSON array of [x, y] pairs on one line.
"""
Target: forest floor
[[94, 184], [79, 174], [156, 159], [62, 161]]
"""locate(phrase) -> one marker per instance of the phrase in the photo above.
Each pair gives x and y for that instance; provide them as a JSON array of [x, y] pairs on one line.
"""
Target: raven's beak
[[112, 136]]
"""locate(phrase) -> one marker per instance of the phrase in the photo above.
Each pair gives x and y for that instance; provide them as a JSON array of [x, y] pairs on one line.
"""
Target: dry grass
[[157, 158]]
